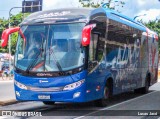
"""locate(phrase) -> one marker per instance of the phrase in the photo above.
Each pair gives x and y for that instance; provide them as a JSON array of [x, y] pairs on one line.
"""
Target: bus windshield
[[47, 48]]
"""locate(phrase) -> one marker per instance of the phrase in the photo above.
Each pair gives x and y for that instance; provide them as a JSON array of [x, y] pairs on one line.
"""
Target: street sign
[[29, 6]]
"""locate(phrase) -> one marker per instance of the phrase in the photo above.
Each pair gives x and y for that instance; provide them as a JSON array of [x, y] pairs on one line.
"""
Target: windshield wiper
[[38, 53], [34, 61], [54, 58], [52, 52]]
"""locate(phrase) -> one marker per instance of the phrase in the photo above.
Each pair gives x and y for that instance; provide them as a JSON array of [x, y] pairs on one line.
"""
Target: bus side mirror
[[86, 34], [5, 35]]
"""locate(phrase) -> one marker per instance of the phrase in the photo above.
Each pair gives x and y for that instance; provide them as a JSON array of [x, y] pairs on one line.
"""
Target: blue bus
[[81, 55]]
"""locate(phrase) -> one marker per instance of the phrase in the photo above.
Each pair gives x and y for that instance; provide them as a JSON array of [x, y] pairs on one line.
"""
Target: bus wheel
[[48, 102], [146, 88], [104, 101]]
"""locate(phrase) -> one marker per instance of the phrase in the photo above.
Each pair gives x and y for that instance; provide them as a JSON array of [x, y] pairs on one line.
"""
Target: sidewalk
[[6, 79], [7, 95]]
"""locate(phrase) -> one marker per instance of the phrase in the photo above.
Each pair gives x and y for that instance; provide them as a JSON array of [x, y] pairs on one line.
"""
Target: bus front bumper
[[75, 95]]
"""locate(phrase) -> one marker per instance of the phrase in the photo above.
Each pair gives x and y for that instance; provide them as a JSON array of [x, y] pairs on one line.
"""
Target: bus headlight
[[20, 85], [74, 85]]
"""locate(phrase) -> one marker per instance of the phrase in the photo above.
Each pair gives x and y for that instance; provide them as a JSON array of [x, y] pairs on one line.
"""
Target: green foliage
[[3, 25], [14, 37], [111, 4], [15, 20], [155, 26]]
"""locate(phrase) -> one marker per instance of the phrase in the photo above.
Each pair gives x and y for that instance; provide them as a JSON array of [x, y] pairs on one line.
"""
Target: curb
[[6, 80], [8, 102]]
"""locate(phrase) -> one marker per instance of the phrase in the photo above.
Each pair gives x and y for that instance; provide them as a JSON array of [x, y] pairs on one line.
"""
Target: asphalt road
[[126, 101], [6, 90]]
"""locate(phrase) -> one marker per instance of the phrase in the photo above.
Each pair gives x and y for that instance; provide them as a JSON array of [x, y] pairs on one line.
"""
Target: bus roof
[[111, 14], [114, 15], [80, 15], [58, 15]]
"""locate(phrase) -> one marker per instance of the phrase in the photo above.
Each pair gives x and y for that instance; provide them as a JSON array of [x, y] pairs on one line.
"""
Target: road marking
[[114, 105], [3, 117], [6, 81]]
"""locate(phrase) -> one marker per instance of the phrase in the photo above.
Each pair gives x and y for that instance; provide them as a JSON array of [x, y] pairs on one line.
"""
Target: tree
[[15, 20], [112, 4], [155, 26]]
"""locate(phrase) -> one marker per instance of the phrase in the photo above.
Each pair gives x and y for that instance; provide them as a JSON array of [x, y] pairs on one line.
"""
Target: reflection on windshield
[[50, 48]]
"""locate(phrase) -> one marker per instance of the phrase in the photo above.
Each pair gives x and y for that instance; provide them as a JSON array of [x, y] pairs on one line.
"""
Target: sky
[[132, 8]]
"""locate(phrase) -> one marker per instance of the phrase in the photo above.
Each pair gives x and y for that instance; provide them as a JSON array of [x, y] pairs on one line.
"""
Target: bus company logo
[[44, 74], [41, 81], [62, 13]]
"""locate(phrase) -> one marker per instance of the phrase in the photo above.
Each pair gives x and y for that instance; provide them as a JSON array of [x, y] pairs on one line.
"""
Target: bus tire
[[106, 94], [48, 102], [144, 89]]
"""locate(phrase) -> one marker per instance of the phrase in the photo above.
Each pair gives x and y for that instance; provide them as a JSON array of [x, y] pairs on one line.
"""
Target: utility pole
[[39, 4], [10, 37]]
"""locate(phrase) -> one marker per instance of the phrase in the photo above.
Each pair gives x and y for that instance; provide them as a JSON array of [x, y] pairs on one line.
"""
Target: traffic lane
[[140, 105], [6, 90], [31, 104], [147, 102], [70, 110], [117, 117]]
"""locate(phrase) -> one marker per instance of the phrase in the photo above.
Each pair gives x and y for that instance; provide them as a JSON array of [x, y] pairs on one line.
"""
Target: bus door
[[96, 65], [95, 60]]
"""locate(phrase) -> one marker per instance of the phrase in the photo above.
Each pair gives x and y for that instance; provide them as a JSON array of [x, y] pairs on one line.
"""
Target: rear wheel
[[106, 95], [48, 102], [144, 89]]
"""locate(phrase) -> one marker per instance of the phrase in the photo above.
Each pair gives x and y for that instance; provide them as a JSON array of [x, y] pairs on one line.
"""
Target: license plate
[[44, 97]]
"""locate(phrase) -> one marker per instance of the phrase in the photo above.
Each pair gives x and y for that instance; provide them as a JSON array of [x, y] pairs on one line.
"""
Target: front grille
[[50, 89]]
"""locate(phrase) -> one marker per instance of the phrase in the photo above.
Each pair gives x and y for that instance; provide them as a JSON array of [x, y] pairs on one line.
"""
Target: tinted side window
[[97, 43], [93, 47], [100, 49]]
